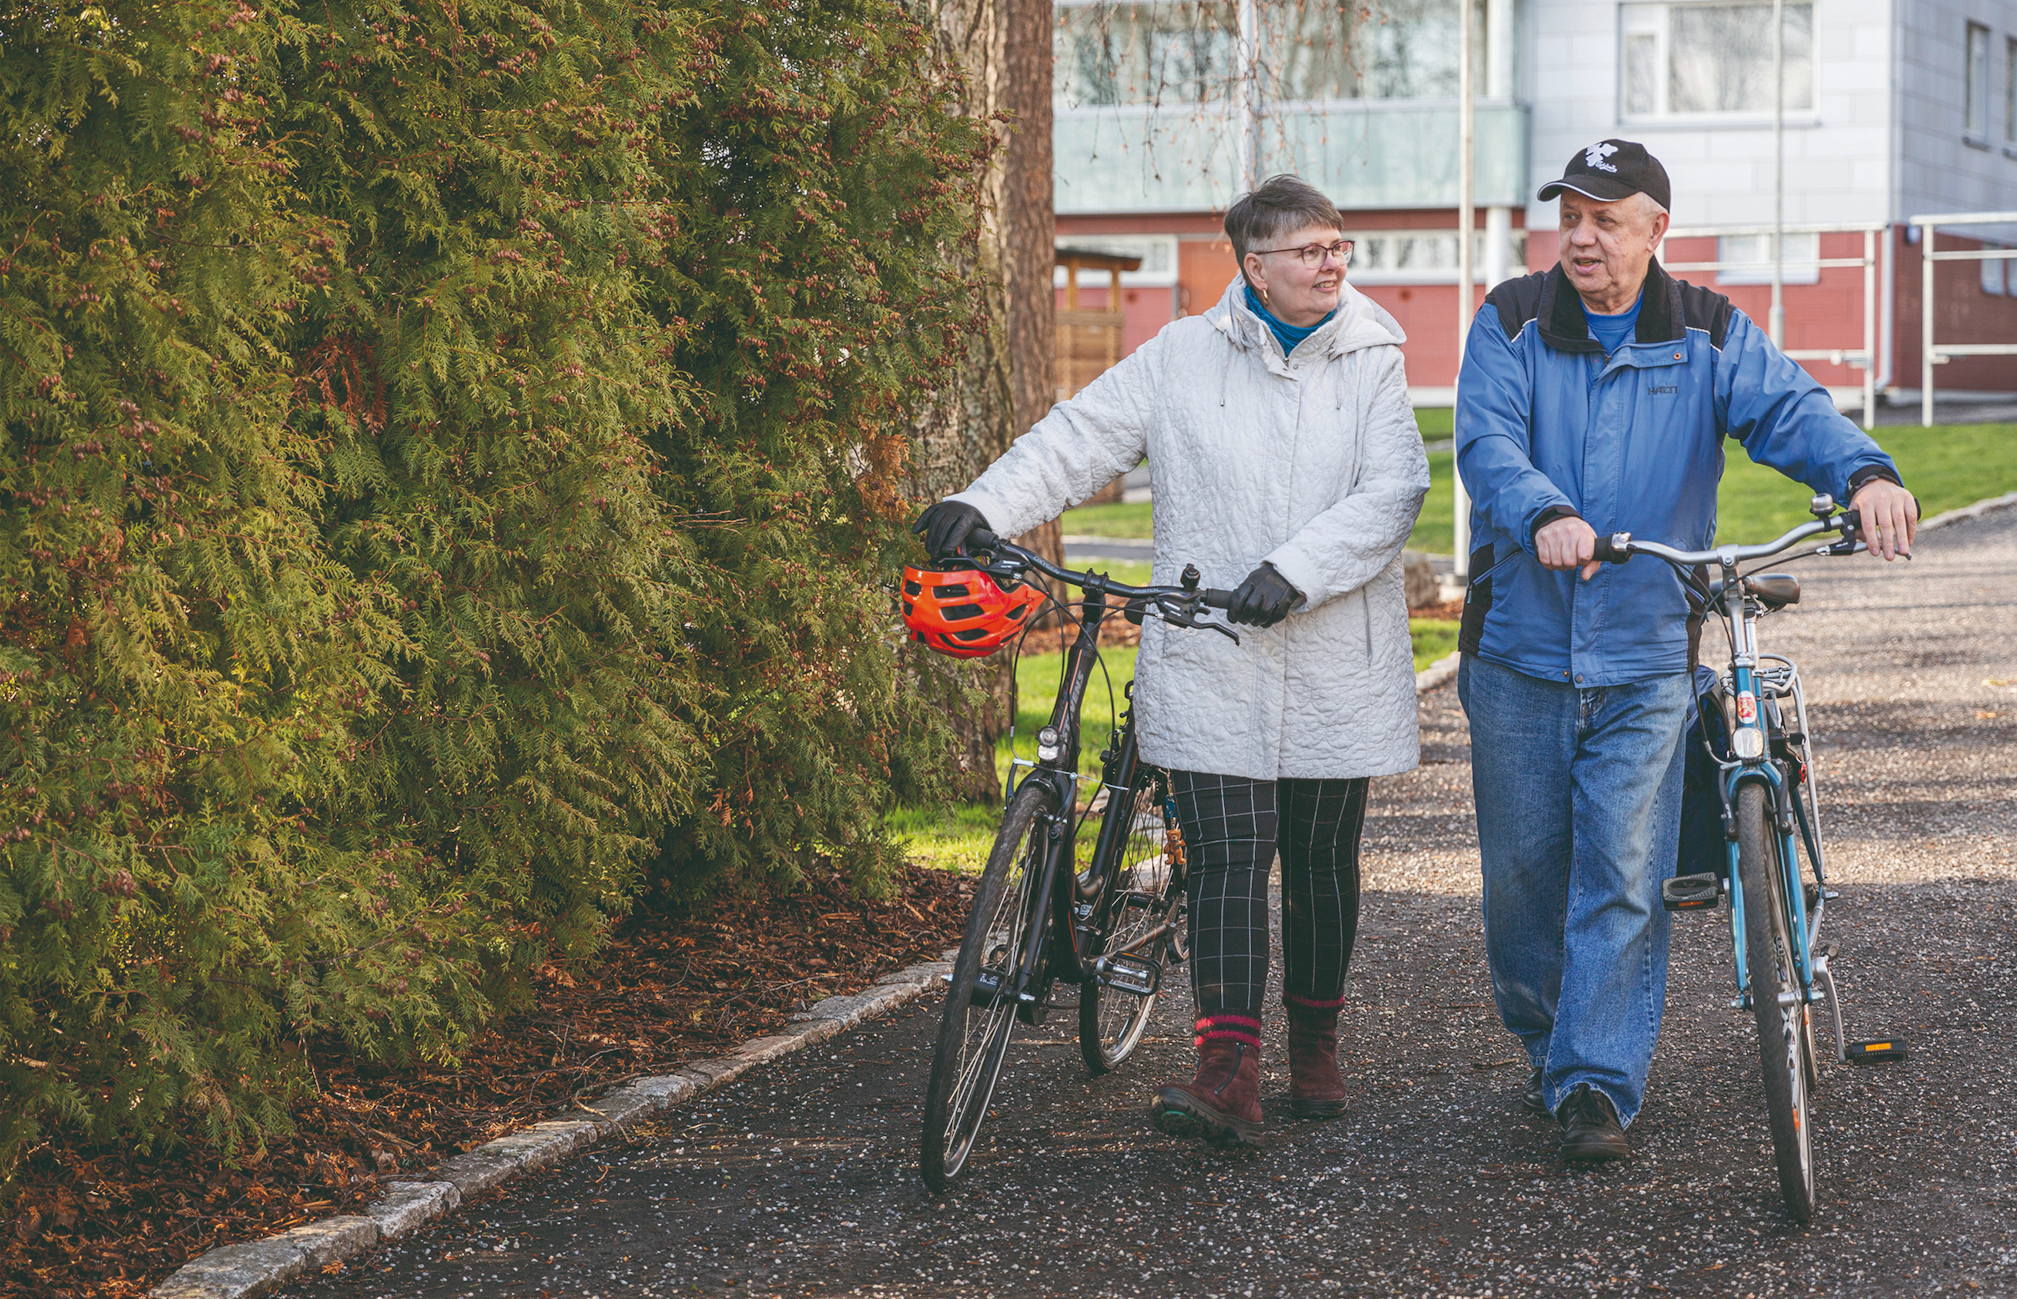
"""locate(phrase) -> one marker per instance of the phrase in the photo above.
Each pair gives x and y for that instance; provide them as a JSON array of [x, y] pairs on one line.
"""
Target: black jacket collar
[[1564, 327]]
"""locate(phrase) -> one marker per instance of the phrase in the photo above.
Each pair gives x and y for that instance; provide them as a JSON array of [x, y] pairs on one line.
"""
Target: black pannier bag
[[1703, 848]]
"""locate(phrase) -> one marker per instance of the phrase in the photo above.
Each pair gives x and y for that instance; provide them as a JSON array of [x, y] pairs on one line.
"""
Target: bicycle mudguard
[[1875, 1052]]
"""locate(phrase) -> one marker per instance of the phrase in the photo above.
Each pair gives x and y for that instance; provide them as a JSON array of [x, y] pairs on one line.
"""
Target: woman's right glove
[[1264, 599], [945, 527]]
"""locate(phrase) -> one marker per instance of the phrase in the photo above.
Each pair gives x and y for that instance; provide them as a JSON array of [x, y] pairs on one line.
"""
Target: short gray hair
[[1281, 205]]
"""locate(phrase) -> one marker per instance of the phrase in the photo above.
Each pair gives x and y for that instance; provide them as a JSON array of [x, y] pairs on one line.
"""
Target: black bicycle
[[1112, 925], [1757, 732]]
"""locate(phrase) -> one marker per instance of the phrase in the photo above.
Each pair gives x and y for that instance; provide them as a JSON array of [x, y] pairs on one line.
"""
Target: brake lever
[[1188, 619]]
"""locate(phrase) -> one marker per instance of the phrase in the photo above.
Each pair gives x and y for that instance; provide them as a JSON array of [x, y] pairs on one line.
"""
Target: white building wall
[[1838, 155], [1942, 170]]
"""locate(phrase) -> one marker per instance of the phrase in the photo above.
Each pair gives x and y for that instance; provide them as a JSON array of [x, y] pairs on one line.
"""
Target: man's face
[[1606, 247]]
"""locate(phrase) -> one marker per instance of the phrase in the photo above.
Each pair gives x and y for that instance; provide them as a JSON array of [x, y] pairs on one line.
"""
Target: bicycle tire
[[973, 1040], [1783, 1035], [1137, 898]]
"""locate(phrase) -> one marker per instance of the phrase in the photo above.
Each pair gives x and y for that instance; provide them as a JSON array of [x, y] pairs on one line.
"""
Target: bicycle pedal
[[1131, 974], [1690, 892], [1875, 1052]]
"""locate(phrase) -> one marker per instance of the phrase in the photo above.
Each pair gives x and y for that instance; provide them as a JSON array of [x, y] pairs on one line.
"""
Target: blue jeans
[[1579, 818]]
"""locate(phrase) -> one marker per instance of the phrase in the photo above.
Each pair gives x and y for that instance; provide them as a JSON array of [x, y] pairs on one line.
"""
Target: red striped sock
[[1231, 1028]]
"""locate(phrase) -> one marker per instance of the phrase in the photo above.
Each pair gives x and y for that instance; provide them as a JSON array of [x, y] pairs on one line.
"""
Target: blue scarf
[[1287, 335]]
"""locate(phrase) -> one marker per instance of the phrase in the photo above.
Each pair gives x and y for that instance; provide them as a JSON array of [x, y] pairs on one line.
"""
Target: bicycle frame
[[1056, 765], [1752, 716]]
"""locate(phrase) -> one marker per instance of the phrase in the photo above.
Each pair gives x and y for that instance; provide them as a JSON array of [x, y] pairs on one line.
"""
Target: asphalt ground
[[801, 1179]]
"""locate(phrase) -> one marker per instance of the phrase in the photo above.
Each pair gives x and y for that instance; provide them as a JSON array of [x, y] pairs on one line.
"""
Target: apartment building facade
[[1892, 108]]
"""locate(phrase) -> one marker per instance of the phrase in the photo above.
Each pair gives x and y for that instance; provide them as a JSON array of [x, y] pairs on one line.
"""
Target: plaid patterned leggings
[[1233, 828]]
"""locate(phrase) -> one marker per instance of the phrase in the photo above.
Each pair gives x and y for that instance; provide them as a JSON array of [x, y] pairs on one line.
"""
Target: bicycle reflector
[[964, 612], [1875, 1052]]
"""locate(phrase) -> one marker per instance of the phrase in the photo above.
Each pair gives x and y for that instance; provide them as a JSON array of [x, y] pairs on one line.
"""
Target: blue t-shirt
[[1289, 335], [1612, 332]]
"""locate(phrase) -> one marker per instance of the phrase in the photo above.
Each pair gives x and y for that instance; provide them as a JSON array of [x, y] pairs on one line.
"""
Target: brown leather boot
[[1315, 1089], [1222, 1104]]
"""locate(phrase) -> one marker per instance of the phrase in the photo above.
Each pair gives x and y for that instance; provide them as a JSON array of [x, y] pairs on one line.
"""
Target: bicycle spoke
[[1133, 931]]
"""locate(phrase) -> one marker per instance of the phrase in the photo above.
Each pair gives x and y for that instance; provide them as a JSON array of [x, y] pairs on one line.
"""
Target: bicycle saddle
[[1773, 590]]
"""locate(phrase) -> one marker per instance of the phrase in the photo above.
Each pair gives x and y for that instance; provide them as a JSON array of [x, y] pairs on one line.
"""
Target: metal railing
[[1930, 353], [1863, 358]]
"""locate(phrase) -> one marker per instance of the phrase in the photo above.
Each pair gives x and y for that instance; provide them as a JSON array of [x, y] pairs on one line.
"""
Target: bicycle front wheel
[[979, 1014], [1784, 1037], [1141, 897]]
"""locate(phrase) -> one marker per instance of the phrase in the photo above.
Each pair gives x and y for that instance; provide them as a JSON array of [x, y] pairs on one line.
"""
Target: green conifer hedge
[[448, 485]]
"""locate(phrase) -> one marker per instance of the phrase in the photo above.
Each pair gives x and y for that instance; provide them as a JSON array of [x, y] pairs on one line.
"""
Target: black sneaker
[[1590, 1128], [1533, 1098]]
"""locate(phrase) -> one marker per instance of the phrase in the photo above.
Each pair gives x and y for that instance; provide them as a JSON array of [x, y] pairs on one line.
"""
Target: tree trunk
[[1029, 227], [1002, 51]]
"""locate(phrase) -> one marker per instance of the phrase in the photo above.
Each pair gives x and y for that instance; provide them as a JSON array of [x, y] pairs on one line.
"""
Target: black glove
[[1264, 599], [945, 526]]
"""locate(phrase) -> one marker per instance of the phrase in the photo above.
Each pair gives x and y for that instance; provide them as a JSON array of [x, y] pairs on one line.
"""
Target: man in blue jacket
[[1595, 398]]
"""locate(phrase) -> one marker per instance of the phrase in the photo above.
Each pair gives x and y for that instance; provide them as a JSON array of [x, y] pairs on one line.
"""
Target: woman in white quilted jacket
[[1286, 462]]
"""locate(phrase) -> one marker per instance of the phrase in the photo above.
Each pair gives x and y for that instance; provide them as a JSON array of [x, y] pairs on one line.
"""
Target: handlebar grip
[[1215, 598], [980, 539], [1604, 551]]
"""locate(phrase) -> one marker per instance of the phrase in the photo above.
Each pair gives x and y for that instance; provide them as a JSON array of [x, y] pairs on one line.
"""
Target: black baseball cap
[[1610, 170]]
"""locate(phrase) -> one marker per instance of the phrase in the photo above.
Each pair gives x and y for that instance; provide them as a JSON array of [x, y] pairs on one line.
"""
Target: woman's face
[[1299, 293]]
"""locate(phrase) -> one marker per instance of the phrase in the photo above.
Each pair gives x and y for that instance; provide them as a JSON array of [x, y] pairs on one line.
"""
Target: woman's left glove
[[1264, 599], [945, 527]]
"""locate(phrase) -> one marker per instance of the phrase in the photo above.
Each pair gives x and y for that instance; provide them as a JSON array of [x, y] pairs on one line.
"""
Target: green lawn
[[1948, 465]]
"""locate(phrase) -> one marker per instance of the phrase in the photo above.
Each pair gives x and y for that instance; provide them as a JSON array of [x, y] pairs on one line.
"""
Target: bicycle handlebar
[[1211, 597], [1620, 546]]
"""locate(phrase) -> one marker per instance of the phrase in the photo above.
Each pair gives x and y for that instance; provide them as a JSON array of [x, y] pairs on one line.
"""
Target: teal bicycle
[[1771, 815]]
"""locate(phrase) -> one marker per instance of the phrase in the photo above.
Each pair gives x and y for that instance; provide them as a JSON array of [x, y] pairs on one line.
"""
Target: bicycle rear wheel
[[979, 1014], [1142, 895], [1784, 1038]]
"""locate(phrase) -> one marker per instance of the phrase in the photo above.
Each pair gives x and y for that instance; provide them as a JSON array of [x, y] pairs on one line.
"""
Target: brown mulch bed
[[1447, 611], [108, 1223]]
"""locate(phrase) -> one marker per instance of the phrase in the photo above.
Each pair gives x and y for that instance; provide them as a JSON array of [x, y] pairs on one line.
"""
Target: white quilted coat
[[1311, 462]]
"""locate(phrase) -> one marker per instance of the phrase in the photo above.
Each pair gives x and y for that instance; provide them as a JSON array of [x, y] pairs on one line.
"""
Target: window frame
[[1800, 269], [1661, 115], [1975, 84], [2010, 93]]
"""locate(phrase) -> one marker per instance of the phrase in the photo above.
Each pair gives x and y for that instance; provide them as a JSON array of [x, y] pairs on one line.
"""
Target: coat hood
[[1359, 322]]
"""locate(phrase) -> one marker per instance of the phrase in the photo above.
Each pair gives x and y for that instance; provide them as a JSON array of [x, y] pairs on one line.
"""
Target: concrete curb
[[1438, 672], [258, 1267], [1987, 506]]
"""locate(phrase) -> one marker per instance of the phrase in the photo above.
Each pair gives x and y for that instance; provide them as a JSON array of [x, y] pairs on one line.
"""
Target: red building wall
[[1963, 314], [1826, 314]]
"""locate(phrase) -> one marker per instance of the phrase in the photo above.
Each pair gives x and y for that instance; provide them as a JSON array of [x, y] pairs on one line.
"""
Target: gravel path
[[800, 1179]]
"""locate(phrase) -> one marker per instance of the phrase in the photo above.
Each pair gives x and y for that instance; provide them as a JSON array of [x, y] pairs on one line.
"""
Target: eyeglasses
[[1313, 255]]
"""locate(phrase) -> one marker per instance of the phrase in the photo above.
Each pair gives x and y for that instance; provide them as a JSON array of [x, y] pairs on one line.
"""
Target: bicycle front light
[[1048, 747], [1748, 742]]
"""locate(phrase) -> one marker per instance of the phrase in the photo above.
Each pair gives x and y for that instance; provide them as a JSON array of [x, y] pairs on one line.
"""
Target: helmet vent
[[964, 611]]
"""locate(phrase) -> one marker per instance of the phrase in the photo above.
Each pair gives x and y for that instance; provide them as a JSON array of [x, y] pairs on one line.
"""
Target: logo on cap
[[1594, 156]]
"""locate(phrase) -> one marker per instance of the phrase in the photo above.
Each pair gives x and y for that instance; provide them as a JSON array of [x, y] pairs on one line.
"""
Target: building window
[[1423, 256], [1978, 82], [1319, 50], [1748, 259], [1173, 52], [2010, 91], [1993, 272], [1711, 60], [1150, 53]]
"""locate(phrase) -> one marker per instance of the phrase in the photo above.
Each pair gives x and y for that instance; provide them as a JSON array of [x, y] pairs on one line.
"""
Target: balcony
[[1365, 154]]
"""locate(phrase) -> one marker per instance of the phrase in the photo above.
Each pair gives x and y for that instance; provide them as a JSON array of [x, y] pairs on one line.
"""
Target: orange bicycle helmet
[[963, 611]]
